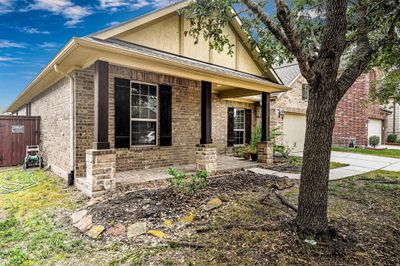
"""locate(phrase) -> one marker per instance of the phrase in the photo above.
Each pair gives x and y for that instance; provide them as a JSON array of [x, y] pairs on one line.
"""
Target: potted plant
[[244, 152], [253, 153]]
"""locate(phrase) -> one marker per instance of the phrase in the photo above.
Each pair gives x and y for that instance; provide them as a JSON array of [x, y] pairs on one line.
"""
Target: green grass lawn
[[295, 160], [36, 230], [391, 153]]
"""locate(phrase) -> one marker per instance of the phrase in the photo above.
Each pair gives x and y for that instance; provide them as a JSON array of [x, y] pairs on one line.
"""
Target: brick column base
[[265, 153], [100, 172], [206, 157]]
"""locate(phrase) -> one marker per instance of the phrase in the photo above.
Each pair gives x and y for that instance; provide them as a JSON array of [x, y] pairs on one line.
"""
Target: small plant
[[374, 141], [177, 182], [295, 160], [283, 150], [255, 137], [180, 184], [392, 138]]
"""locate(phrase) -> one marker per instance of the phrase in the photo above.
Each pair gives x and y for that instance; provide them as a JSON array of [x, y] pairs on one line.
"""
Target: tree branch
[[333, 41], [364, 50], [286, 35], [284, 17]]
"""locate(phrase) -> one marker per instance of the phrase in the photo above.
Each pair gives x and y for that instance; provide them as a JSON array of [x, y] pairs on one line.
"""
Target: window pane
[[135, 112], [238, 137], [144, 101], [144, 112], [135, 100], [153, 91], [152, 107], [135, 88], [238, 122], [145, 134], [144, 89]]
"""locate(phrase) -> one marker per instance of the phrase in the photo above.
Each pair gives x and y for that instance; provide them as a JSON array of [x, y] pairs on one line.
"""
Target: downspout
[[71, 175]]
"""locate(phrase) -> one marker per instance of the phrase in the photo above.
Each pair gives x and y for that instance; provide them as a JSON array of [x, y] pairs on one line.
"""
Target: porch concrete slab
[[224, 163]]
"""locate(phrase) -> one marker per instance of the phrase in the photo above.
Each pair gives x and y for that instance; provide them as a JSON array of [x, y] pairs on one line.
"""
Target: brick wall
[[353, 112], [220, 120], [53, 107], [185, 120], [84, 117]]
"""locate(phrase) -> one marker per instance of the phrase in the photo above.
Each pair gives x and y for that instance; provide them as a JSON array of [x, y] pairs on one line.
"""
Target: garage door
[[294, 129], [375, 128]]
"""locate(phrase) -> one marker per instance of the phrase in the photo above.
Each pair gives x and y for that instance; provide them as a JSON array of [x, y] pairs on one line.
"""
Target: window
[[144, 106], [305, 92], [238, 126]]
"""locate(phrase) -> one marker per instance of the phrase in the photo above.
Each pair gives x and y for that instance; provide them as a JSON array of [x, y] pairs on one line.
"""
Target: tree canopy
[[301, 29], [333, 41]]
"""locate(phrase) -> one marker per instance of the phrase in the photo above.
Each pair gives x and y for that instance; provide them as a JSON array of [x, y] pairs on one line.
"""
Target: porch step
[[135, 186]]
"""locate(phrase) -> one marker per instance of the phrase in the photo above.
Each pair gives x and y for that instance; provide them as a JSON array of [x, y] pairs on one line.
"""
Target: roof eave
[[65, 51]]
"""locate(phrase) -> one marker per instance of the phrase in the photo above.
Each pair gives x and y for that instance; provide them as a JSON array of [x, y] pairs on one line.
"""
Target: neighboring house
[[393, 126], [142, 95], [356, 118]]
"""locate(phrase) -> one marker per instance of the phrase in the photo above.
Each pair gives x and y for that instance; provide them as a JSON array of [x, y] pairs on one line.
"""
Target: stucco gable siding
[[167, 34]]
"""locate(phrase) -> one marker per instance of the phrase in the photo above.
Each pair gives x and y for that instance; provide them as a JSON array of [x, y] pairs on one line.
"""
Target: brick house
[[355, 117], [142, 95]]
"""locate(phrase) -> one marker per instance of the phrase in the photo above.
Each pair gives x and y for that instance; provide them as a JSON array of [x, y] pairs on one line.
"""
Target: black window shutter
[[247, 120], [231, 139], [165, 108], [122, 113]]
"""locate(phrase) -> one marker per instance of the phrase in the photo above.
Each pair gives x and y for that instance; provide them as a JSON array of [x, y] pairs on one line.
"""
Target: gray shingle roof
[[288, 72], [177, 58]]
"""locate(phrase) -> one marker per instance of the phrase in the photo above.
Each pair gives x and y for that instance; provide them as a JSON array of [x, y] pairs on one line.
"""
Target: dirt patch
[[286, 168], [154, 205], [253, 227]]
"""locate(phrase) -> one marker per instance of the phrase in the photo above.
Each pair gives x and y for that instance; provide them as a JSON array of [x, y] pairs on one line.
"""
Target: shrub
[[180, 184], [392, 138], [255, 137], [373, 141]]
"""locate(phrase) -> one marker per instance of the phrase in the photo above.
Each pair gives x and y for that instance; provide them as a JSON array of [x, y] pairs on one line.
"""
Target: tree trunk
[[313, 197]]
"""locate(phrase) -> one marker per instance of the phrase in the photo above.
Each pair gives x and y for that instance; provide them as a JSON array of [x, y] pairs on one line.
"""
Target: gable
[[167, 34]]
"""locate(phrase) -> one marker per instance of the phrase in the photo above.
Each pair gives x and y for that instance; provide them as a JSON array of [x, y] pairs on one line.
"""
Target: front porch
[[181, 127], [153, 175]]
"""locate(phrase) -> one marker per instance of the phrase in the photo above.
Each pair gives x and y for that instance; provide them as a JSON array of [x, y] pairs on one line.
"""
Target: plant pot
[[254, 156], [246, 156]]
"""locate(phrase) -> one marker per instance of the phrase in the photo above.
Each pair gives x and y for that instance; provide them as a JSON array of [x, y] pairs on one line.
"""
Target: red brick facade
[[353, 112]]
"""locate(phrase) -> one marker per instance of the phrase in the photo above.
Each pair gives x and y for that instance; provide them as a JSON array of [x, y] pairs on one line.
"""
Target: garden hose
[[17, 181]]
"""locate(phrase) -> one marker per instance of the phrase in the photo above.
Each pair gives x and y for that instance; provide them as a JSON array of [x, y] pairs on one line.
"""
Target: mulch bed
[[361, 235], [156, 204]]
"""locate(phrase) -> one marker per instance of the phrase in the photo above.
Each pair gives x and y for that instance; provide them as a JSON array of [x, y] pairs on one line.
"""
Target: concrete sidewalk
[[358, 164]]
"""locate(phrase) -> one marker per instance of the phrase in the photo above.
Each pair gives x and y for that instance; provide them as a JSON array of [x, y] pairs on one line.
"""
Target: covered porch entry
[[102, 172]]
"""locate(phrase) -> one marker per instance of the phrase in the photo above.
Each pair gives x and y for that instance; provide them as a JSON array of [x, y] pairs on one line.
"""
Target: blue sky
[[33, 31]]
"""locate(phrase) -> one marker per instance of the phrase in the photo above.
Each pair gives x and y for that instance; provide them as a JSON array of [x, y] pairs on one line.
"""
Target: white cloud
[[162, 3], [48, 45], [31, 30], [8, 59], [6, 6], [114, 5], [10, 44], [113, 23], [139, 4], [66, 8]]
